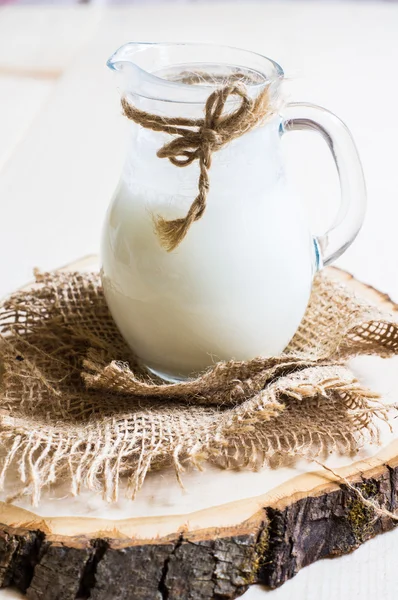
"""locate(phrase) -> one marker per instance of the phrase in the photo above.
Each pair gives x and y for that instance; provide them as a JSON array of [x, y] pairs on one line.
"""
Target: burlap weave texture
[[75, 404]]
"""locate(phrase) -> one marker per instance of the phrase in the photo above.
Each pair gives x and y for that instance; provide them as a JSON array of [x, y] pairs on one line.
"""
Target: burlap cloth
[[75, 405]]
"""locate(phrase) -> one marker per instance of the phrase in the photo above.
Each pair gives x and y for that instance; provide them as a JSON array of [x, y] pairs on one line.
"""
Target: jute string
[[198, 139], [75, 405]]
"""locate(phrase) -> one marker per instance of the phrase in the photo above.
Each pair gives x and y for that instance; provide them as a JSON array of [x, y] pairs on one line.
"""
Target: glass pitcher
[[237, 285]]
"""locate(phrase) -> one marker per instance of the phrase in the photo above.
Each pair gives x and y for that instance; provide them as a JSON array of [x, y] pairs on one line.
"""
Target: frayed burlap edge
[[70, 412]]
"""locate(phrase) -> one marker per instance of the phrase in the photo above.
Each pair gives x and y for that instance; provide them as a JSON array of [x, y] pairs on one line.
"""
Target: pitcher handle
[[349, 218]]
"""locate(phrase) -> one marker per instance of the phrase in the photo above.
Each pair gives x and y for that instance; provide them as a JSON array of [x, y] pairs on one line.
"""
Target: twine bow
[[197, 139]]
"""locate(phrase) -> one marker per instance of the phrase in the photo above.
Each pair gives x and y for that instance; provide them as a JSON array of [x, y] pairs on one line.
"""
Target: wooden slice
[[225, 532]]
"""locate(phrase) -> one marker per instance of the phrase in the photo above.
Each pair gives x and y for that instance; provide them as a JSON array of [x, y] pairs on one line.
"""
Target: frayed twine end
[[372, 505], [171, 233]]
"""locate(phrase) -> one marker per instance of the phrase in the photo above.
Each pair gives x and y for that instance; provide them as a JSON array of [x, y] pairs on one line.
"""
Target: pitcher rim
[[185, 88]]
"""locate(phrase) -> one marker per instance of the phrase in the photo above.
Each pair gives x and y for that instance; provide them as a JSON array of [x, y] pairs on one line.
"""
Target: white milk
[[237, 286]]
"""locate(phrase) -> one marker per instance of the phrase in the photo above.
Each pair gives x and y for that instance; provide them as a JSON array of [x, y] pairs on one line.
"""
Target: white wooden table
[[62, 145]]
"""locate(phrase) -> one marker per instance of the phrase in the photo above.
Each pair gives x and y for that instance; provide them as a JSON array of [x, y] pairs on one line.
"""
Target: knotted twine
[[76, 406], [198, 139]]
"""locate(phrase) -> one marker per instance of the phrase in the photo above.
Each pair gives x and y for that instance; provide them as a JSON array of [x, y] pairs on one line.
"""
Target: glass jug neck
[[188, 73]]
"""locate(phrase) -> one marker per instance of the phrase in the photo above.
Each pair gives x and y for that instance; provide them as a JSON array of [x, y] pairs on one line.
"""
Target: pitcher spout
[[126, 56], [139, 65], [128, 65]]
